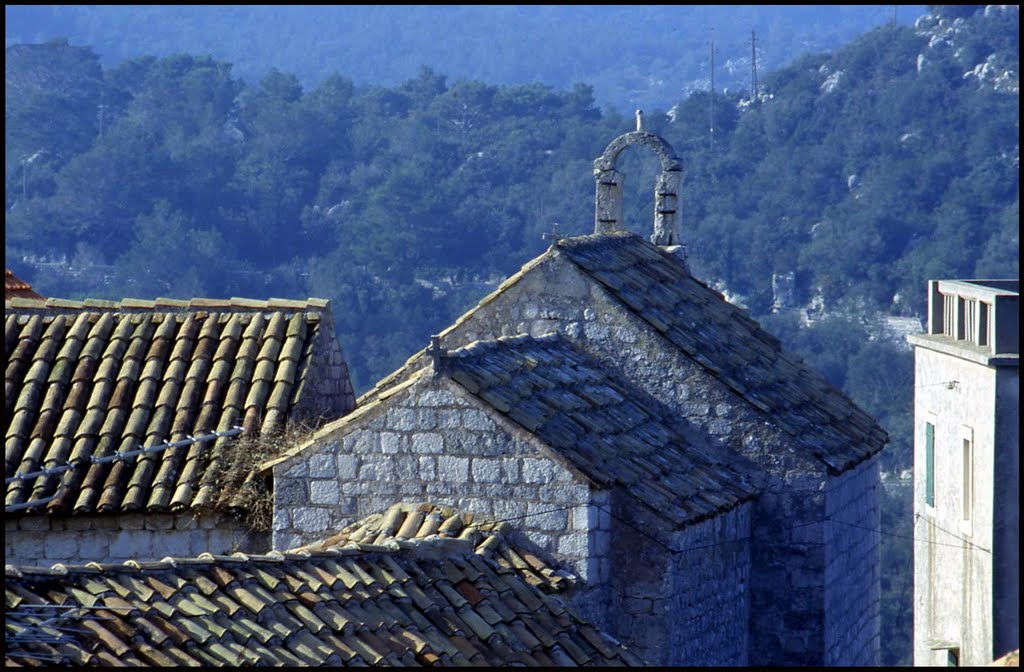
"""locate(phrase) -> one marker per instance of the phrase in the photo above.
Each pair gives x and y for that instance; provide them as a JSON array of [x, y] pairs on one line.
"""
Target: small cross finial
[[554, 236], [639, 121], [435, 351]]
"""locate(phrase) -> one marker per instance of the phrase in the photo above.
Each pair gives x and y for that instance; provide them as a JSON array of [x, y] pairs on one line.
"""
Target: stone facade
[[788, 605], [326, 391], [434, 442], [774, 582], [46, 540], [682, 598], [852, 542], [431, 440]]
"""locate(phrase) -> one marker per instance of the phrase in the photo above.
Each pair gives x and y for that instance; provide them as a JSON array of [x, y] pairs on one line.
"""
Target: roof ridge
[[627, 266], [233, 304], [431, 548]]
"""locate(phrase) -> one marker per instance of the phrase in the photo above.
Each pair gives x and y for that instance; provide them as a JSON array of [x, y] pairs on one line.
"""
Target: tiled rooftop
[[86, 379], [728, 344], [435, 603], [612, 433], [657, 288], [15, 287], [405, 522]]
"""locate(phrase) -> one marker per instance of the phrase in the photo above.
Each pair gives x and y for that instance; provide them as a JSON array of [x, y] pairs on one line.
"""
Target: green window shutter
[[929, 464]]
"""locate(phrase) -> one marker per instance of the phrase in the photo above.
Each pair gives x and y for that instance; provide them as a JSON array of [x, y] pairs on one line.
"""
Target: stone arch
[[608, 199]]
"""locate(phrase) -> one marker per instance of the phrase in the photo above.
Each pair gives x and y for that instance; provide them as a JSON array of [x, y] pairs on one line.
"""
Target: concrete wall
[[1006, 507], [787, 580], [852, 561], [953, 578], [45, 540]]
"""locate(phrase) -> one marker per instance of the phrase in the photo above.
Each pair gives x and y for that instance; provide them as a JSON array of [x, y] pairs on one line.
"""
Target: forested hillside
[[862, 172], [632, 55]]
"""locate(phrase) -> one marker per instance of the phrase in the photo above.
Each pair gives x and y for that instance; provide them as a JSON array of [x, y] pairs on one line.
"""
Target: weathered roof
[[15, 287], [86, 379], [720, 337], [404, 521], [433, 602], [614, 434], [656, 287]]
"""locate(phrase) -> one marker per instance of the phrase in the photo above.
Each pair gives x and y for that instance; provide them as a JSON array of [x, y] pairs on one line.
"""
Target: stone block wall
[[326, 390], [433, 442], [852, 562], [787, 553], [710, 592], [681, 598], [44, 540]]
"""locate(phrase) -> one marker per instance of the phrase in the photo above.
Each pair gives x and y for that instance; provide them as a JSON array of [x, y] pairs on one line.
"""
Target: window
[[929, 464], [968, 479], [952, 657]]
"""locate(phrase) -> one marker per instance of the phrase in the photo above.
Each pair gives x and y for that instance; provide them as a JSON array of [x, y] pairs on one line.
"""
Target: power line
[[952, 534], [118, 456], [826, 519]]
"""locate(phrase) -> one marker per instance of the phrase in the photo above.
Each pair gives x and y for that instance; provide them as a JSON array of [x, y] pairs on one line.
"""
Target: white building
[[967, 474]]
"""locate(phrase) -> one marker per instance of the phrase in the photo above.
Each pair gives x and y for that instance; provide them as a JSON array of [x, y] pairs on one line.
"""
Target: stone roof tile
[[614, 435], [732, 347]]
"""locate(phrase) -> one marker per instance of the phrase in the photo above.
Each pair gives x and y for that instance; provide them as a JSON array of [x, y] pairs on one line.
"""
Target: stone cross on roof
[[436, 352], [553, 236]]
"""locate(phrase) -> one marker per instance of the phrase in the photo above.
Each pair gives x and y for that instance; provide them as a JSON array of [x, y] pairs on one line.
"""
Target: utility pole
[[753, 66], [711, 97], [103, 108]]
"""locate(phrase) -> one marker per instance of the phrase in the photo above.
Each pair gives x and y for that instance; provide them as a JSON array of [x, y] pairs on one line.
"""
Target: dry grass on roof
[[242, 491]]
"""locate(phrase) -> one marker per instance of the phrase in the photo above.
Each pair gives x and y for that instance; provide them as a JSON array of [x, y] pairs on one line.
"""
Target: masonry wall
[[710, 599], [434, 443], [46, 540], [787, 580], [852, 560], [326, 390], [680, 598]]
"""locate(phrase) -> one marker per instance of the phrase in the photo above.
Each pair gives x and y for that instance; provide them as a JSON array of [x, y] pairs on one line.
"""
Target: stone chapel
[[714, 497]]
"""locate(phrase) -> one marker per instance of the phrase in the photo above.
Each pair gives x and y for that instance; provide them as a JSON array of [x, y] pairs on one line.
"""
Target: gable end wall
[[433, 442], [787, 624]]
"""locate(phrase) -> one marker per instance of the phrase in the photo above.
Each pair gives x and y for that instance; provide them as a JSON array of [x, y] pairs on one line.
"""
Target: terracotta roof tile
[[85, 379], [410, 523], [16, 288]]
